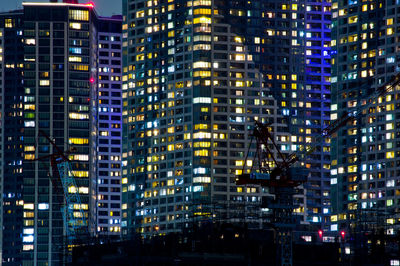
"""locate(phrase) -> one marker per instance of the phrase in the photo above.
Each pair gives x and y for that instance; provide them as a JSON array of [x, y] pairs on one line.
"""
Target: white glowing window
[[27, 239], [29, 123], [29, 231], [44, 82], [334, 227], [43, 206], [201, 100]]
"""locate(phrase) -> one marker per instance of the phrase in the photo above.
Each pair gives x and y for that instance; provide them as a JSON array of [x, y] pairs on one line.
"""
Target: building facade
[[11, 132], [290, 43], [109, 124], [209, 50], [365, 152], [59, 53], [60, 93], [191, 95]]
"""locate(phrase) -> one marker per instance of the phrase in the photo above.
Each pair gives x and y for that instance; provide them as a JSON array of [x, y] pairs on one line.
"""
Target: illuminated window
[[79, 15], [78, 116], [201, 153], [78, 141], [75, 26], [75, 59], [9, 23], [44, 82], [204, 20]]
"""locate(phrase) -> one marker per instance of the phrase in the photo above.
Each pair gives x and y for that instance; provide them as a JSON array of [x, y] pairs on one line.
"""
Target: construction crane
[[75, 222], [280, 175]]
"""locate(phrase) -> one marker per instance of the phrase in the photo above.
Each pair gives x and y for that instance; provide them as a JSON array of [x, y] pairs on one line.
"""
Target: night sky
[[103, 7]]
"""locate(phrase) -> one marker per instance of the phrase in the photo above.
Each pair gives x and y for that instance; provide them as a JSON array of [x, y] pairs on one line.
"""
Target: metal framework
[[74, 217], [75, 222]]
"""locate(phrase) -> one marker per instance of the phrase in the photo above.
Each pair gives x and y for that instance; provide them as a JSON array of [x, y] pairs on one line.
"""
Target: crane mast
[[74, 219]]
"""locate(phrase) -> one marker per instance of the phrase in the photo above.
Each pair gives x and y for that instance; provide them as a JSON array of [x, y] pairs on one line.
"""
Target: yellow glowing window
[[79, 15], [352, 168], [79, 67], [201, 64], [29, 214], [78, 116], [352, 19], [239, 110], [389, 31], [44, 82], [202, 135], [202, 11], [239, 83], [29, 206], [389, 202], [239, 163], [78, 141], [238, 57], [79, 157], [202, 74], [171, 129], [390, 155], [29, 148], [80, 173], [201, 153], [75, 59], [80, 206], [171, 147], [353, 38], [29, 156], [9, 23], [27, 247], [75, 26], [204, 20], [72, 190], [140, 57], [202, 144]]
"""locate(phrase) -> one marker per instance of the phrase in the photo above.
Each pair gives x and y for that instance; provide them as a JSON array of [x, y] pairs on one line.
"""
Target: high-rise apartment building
[[60, 78], [109, 124], [60, 50], [316, 107], [289, 42], [11, 136], [189, 68], [365, 152], [192, 92]]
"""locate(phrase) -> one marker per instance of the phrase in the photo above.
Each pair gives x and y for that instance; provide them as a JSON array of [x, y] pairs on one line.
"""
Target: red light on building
[[92, 80], [320, 233], [90, 4], [343, 234]]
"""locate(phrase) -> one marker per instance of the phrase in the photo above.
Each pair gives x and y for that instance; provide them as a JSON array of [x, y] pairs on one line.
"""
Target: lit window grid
[[338, 176], [148, 218], [104, 220], [29, 220]]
